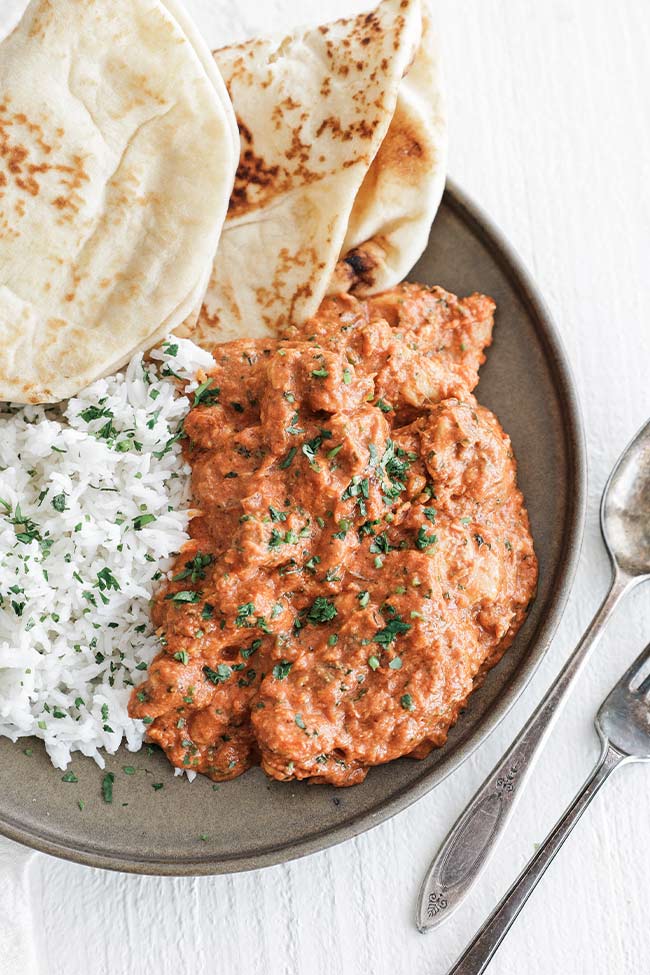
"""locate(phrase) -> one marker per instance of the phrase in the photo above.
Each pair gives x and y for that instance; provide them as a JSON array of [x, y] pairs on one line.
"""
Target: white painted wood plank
[[550, 109]]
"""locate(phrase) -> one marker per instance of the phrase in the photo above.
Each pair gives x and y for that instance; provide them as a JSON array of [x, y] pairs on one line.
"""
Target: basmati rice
[[94, 504]]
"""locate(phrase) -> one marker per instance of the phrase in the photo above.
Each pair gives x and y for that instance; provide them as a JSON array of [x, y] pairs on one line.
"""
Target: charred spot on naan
[[358, 268], [26, 161], [252, 171]]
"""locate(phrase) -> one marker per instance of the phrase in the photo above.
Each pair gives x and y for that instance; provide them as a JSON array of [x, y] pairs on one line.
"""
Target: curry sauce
[[362, 554]]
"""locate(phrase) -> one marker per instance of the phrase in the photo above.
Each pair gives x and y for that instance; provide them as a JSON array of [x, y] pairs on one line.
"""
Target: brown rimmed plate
[[251, 822]]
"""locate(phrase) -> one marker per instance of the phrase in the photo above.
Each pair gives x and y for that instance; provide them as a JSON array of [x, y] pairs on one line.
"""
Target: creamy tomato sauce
[[362, 556]]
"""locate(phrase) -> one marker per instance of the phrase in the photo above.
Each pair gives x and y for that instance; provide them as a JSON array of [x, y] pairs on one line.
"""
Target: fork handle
[[480, 951], [473, 838]]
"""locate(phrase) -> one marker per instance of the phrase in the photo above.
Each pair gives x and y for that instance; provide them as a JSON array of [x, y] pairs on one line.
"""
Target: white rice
[[91, 512]]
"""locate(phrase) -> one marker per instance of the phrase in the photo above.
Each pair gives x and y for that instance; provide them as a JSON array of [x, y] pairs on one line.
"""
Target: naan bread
[[342, 167], [118, 149]]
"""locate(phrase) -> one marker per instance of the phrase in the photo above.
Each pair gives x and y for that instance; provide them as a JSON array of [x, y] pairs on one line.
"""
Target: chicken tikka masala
[[362, 554]]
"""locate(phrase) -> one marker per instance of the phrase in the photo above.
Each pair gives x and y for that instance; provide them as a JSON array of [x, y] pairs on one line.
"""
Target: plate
[[184, 829]]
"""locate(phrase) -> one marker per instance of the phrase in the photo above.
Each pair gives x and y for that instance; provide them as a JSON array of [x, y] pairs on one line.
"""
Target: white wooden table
[[550, 127]]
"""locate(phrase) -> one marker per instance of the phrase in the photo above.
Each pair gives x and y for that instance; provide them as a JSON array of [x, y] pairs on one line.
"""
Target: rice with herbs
[[93, 506]]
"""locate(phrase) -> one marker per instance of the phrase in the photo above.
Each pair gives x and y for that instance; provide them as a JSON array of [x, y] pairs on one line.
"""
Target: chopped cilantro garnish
[[106, 580], [424, 541], [407, 702], [288, 460], [247, 652], [244, 611], [195, 568], [206, 394], [58, 502], [383, 406], [391, 631], [184, 596], [95, 413], [322, 610], [281, 670], [142, 520], [219, 676], [107, 787], [380, 543]]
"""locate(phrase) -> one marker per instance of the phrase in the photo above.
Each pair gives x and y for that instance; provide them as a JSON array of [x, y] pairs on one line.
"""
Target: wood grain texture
[[550, 110]]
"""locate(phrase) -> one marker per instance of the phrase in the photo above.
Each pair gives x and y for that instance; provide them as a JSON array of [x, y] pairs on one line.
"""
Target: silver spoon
[[623, 725], [625, 525]]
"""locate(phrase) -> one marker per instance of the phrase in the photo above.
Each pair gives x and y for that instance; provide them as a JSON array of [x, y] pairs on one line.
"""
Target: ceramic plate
[[253, 822]]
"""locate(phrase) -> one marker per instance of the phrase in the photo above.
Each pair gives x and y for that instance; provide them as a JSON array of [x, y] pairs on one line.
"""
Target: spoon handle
[[479, 952], [473, 838]]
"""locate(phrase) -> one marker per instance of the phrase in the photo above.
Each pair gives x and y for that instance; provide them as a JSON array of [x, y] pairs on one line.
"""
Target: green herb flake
[[281, 670], [322, 610], [184, 596], [107, 787], [194, 569], [244, 612], [206, 394], [424, 541], [288, 460], [58, 502], [391, 631], [219, 676], [407, 702]]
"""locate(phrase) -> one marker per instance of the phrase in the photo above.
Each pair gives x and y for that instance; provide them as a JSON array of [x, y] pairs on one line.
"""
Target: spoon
[[625, 526]]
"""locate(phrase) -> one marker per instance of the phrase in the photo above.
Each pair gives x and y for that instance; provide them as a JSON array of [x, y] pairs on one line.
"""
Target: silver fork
[[623, 724]]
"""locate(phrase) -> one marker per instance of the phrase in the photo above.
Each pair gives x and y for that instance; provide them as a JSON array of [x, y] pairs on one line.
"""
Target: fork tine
[[640, 664]]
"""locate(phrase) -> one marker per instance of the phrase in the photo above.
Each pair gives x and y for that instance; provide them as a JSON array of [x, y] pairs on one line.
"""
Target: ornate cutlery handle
[[472, 840], [480, 951]]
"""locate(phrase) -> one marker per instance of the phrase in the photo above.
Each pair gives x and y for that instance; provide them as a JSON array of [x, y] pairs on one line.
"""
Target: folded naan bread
[[342, 167], [118, 150]]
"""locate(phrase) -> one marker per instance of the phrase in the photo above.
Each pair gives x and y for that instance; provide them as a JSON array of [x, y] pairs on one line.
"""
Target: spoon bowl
[[625, 509]]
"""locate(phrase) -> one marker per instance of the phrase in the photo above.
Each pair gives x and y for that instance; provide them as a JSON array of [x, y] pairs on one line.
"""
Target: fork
[[623, 725]]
